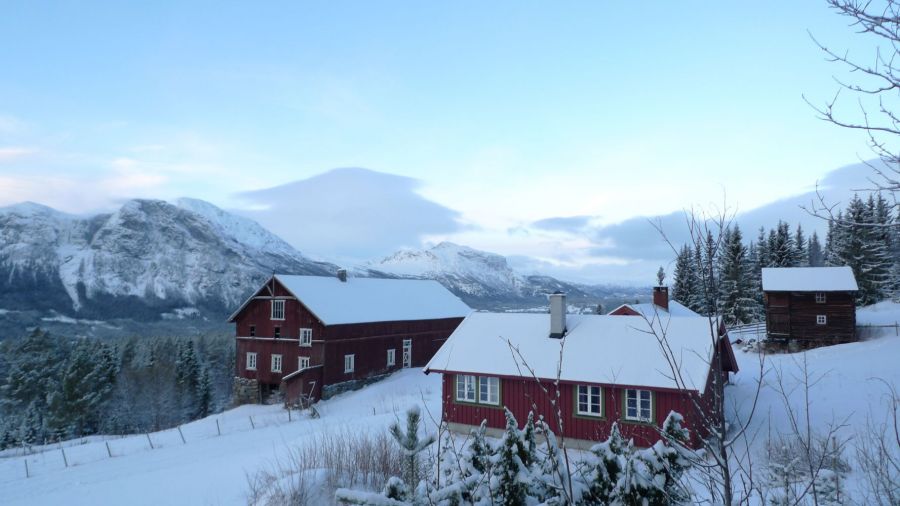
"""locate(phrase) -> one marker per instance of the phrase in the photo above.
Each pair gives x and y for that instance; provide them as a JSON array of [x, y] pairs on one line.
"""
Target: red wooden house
[[306, 334], [611, 370], [660, 307]]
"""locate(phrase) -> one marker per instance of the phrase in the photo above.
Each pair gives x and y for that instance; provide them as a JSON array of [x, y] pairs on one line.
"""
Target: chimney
[[342, 275], [661, 297], [557, 315]]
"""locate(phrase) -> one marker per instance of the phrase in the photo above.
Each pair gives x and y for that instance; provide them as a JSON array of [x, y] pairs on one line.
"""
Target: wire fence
[[26, 462]]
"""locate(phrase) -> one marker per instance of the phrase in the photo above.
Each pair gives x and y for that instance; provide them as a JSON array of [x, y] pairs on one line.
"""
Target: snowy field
[[208, 469], [212, 469]]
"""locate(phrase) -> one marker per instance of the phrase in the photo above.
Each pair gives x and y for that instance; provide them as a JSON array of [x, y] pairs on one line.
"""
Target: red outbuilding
[[306, 335], [607, 368]]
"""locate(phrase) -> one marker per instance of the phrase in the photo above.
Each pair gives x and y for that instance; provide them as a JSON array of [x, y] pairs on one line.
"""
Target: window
[[638, 405], [489, 390], [820, 297], [305, 337], [349, 363], [251, 361], [277, 331], [252, 330], [302, 363], [465, 388], [278, 309], [821, 319], [391, 357], [276, 363], [589, 401]]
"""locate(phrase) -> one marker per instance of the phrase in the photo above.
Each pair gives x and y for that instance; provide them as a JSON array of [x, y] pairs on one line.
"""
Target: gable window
[[278, 309], [305, 337], [589, 401], [349, 363], [638, 405], [489, 390], [391, 357], [251, 361], [302, 363], [465, 388], [820, 297], [252, 330], [276, 363], [821, 319], [277, 331]]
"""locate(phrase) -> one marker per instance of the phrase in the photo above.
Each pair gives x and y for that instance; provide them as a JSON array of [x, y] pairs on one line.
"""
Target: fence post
[[252, 425], [218, 429], [27, 474], [108, 451], [289, 413], [182, 435], [65, 460], [150, 441]]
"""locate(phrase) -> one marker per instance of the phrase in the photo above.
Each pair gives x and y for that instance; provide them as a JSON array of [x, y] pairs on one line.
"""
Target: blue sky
[[506, 113]]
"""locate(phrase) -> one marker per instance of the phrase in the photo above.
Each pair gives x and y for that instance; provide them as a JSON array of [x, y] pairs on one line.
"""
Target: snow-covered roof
[[651, 310], [808, 279], [361, 300], [598, 349]]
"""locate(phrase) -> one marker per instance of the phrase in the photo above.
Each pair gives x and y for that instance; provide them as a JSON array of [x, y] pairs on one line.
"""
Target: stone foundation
[[245, 391]]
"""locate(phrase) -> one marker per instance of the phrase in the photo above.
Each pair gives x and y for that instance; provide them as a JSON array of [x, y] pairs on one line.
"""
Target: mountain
[[486, 280], [147, 258]]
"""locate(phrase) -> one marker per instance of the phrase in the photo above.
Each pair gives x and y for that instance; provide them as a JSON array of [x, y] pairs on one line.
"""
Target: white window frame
[[638, 397], [302, 363], [251, 360], [489, 390], [586, 394], [305, 337], [821, 298], [349, 363], [391, 357], [276, 303], [469, 390], [821, 319], [277, 362]]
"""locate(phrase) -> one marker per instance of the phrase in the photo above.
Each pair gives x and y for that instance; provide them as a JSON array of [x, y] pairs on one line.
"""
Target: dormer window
[[278, 309]]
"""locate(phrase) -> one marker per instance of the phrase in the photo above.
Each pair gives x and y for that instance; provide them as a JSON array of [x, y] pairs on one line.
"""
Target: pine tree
[[801, 253], [782, 251], [737, 303], [605, 466], [187, 379], [814, 251], [762, 249], [204, 394], [508, 469], [410, 444], [684, 287]]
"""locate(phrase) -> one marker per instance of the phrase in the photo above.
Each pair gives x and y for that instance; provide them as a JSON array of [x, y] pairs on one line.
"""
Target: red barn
[[307, 334], [610, 369]]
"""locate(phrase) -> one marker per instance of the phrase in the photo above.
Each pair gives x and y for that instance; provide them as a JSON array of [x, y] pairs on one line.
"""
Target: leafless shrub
[[878, 454], [331, 460]]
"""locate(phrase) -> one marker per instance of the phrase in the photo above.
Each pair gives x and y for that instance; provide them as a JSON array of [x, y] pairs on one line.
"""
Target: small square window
[[303, 363], [278, 309], [391, 357], [276, 363], [821, 319], [305, 337], [465, 388], [252, 330], [349, 363], [820, 297], [277, 331], [251, 361]]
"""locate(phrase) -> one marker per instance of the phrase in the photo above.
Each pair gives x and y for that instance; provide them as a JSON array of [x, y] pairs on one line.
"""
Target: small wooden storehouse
[[306, 334], [810, 306]]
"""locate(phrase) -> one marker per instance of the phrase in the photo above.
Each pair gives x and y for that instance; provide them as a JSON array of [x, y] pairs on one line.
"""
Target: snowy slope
[[145, 257], [208, 469]]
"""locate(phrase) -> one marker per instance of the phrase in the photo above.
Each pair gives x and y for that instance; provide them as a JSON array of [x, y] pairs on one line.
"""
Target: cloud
[[349, 214], [12, 153], [563, 223]]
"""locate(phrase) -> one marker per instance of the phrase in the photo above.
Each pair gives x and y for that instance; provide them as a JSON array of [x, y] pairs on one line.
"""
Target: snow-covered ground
[[212, 469], [208, 469]]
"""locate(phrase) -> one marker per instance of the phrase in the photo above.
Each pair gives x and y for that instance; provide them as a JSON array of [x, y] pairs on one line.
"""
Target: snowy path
[[210, 469]]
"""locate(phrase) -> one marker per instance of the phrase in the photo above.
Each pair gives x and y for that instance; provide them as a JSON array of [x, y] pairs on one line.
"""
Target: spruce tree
[[684, 285], [814, 251], [605, 466], [737, 303], [411, 445], [509, 471], [801, 253]]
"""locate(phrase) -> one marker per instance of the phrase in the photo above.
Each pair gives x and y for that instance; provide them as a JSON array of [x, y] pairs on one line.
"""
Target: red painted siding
[[523, 395]]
